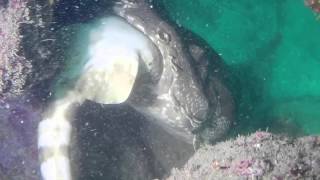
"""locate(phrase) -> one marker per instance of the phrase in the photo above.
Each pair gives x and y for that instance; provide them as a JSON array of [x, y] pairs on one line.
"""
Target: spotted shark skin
[[183, 99], [168, 90], [176, 100]]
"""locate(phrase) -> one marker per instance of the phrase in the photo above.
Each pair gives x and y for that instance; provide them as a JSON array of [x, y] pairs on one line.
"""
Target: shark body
[[134, 56]]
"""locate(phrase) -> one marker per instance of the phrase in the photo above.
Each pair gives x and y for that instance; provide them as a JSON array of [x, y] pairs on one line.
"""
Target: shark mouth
[[101, 67]]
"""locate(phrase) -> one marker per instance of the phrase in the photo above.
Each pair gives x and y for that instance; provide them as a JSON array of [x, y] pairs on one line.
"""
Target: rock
[[28, 57], [261, 155]]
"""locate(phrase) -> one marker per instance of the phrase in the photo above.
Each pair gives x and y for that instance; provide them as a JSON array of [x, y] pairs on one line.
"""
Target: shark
[[134, 56]]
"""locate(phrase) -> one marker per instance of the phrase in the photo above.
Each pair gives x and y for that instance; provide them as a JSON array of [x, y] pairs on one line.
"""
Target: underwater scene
[[272, 52], [159, 89]]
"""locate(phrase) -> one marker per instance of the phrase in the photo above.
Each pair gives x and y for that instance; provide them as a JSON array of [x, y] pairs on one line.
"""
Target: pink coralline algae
[[16, 4], [314, 5], [249, 167], [243, 168], [260, 136]]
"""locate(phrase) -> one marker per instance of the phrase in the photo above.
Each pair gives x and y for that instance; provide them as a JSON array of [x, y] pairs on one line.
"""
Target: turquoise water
[[272, 49]]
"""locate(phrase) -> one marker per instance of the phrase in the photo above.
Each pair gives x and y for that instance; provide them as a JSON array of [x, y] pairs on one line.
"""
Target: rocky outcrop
[[14, 67], [27, 50], [261, 155], [26, 58]]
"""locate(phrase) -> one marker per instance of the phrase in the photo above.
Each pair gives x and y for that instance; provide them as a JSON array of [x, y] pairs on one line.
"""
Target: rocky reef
[[30, 57], [18, 150], [14, 66], [261, 155], [25, 66]]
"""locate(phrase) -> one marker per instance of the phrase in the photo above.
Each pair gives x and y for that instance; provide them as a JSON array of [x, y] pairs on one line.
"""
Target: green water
[[272, 49]]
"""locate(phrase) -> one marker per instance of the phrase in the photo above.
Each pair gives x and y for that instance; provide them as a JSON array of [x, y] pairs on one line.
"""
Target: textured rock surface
[[28, 60], [24, 66], [258, 156], [18, 147], [13, 65], [27, 50]]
